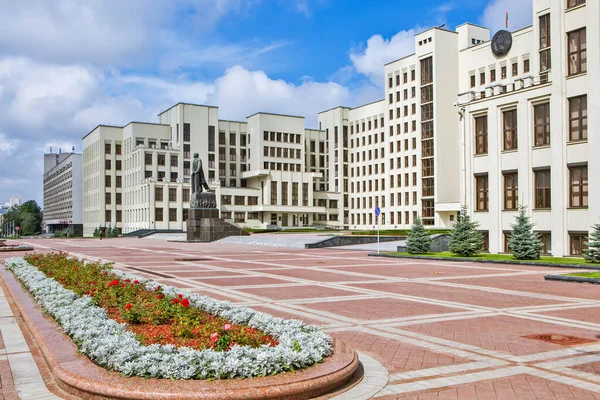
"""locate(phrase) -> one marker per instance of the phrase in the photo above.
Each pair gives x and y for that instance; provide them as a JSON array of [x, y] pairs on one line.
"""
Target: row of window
[[404, 78], [281, 137], [364, 125], [503, 73], [578, 189], [578, 126], [281, 152]]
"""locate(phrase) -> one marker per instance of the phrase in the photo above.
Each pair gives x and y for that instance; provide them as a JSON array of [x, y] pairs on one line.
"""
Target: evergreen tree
[[466, 240], [418, 241], [592, 251], [524, 243]]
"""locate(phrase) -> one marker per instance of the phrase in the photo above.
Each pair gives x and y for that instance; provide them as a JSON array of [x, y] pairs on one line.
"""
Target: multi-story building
[[268, 170], [63, 192], [465, 121]]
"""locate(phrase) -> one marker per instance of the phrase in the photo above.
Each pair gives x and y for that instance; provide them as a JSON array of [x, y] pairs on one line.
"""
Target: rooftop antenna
[[50, 150], [442, 26], [59, 150], [73, 149]]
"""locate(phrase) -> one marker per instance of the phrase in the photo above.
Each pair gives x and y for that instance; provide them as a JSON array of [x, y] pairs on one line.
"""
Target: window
[[226, 199], [107, 148], [119, 216], [545, 43], [390, 82], [232, 139], [211, 138], [542, 180], [492, 75], [482, 78], [427, 71], [481, 184], [510, 129], [173, 160], [161, 159], [427, 167], [578, 186], [511, 190], [172, 194], [503, 72], [186, 195], [118, 198], [240, 200], [106, 164], [515, 69], [526, 66], [107, 216], [158, 193], [107, 181], [118, 165], [481, 135], [428, 210], [117, 149], [578, 118], [148, 158], [172, 214], [578, 242], [472, 81], [546, 239], [541, 124], [107, 198], [158, 214], [118, 181], [574, 3], [577, 51]]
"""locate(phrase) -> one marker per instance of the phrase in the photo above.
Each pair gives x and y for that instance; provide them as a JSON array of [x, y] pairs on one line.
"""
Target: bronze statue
[[198, 179]]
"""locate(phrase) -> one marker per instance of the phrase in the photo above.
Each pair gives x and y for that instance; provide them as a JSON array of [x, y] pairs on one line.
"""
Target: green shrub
[[524, 243], [465, 239], [418, 241], [592, 251]]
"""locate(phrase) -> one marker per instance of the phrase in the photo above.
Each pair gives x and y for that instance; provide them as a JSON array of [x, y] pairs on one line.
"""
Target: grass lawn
[[398, 232], [506, 257], [593, 275]]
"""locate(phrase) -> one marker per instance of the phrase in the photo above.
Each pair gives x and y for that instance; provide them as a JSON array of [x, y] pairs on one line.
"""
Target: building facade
[[465, 121], [63, 193]]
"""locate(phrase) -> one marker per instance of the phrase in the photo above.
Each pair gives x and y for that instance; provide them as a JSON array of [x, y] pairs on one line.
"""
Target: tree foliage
[[418, 241], [524, 243], [592, 251], [466, 240], [27, 216]]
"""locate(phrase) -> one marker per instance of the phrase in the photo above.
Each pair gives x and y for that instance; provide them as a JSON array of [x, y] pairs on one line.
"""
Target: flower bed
[[198, 337]]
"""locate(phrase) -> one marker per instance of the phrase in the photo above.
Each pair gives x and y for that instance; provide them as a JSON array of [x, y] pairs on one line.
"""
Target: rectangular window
[[578, 129], [107, 148], [492, 75], [106, 164], [503, 72], [578, 242], [172, 214], [158, 193], [427, 71], [542, 182], [428, 187], [186, 132], [577, 51], [526, 66], [481, 135], [117, 149], [427, 167], [574, 3], [158, 214], [482, 188], [186, 194], [161, 159], [545, 63], [541, 124], [546, 239], [428, 210], [511, 190], [578, 186], [482, 78], [172, 194], [510, 129], [472, 81], [108, 216], [107, 181], [148, 158], [515, 69]]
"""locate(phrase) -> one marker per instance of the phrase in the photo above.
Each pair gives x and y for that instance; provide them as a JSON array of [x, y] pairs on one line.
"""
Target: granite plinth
[[204, 225], [77, 375]]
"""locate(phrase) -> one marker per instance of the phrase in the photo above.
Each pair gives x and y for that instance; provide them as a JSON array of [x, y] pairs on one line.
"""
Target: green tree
[[592, 251], [27, 216], [465, 239], [524, 243], [418, 241]]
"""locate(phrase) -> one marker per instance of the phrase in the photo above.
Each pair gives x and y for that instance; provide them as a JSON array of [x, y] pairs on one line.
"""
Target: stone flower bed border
[[15, 248], [566, 278], [108, 343]]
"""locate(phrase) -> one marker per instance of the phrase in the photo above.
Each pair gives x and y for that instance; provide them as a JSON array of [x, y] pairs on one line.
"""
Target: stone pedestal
[[204, 224]]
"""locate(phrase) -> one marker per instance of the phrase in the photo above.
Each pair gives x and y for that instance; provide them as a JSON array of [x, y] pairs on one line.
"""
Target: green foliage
[[524, 243], [399, 232], [418, 241], [296, 346], [27, 216], [465, 239], [592, 251]]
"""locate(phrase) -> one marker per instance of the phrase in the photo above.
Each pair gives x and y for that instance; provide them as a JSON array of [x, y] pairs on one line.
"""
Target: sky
[[68, 65]]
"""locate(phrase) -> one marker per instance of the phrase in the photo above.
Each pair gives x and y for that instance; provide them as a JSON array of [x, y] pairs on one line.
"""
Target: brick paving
[[427, 329]]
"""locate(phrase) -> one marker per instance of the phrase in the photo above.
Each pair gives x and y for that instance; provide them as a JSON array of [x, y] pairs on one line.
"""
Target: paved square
[[423, 329]]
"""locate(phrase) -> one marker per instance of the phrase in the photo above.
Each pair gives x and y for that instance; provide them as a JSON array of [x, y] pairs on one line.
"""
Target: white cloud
[[7, 145], [379, 51], [520, 14]]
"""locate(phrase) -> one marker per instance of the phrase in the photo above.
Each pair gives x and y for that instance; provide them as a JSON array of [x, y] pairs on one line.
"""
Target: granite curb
[[578, 279], [506, 262], [79, 376]]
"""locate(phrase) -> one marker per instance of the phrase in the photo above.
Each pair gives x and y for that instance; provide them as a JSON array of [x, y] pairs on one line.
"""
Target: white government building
[[465, 120]]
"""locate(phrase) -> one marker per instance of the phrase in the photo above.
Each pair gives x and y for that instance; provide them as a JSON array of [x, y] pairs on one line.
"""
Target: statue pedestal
[[204, 224]]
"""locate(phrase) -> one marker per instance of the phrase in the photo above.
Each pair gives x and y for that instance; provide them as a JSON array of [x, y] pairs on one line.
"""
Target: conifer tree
[[466, 240], [418, 241], [592, 251], [524, 243]]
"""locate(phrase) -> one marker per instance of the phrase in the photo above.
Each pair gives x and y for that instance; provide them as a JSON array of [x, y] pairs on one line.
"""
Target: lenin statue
[[198, 179]]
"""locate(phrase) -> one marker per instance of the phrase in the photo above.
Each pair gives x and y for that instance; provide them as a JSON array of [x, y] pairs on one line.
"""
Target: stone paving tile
[[537, 284], [199, 275], [394, 355], [298, 292], [243, 281], [420, 271], [380, 308], [459, 295], [319, 276], [592, 368], [501, 333], [518, 387], [319, 262], [587, 314]]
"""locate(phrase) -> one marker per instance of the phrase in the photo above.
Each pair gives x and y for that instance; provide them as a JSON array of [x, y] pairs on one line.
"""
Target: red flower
[[113, 283], [227, 327], [160, 296], [175, 301], [127, 306], [35, 257], [185, 302], [127, 280], [156, 289], [122, 284], [180, 296], [93, 282], [214, 337], [136, 282]]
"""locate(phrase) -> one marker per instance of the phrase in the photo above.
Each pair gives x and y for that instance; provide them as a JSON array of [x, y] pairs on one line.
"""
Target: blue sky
[[68, 65]]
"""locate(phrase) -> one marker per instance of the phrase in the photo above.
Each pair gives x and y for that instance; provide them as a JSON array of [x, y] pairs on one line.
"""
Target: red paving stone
[[299, 292], [587, 314], [458, 295], [394, 355], [501, 333], [420, 271], [379, 308], [592, 368], [242, 281], [319, 276]]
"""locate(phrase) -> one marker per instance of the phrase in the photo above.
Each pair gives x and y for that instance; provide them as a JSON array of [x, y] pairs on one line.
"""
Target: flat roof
[[186, 104], [146, 123], [278, 115], [472, 24], [368, 104], [399, 59], [230, 120], [102, 126], [333, 108]]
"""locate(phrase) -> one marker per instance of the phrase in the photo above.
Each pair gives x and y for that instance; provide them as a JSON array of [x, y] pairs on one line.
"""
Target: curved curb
[[77, 375], [15, 248], [506, 262], [578, 279], [375, 379]]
